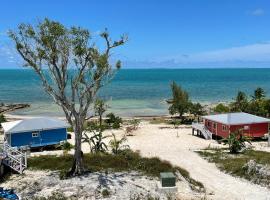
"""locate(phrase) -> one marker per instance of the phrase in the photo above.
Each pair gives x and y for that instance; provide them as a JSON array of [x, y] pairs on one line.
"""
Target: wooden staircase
[[13, 158], [202, 130]]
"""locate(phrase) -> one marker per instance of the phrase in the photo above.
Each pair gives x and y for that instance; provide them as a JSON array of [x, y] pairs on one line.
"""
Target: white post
[[21, 159], [25, 159], [268, 134], [269, 139]]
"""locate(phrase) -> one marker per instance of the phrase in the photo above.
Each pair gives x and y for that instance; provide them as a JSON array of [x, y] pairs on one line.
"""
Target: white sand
[[162, 141], [151, 141], [121, 186]]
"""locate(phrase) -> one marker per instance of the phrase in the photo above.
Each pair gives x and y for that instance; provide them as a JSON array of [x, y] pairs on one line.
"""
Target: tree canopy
[[70, 66], [179, 104]]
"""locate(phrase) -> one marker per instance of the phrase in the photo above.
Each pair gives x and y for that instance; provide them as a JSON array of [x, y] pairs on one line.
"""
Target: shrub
[[221, 108], [66, 146], [113, 121], [2, 119], [127, 160], [117, 145], [54, 196], [105, 193], [70, 129], [236, 141]]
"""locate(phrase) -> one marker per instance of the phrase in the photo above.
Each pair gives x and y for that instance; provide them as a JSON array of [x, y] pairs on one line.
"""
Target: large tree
[[240, 103], [180, 103], [71, 67], [259, 94]]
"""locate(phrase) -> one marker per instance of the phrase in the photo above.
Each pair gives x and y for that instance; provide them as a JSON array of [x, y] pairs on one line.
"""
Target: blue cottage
[[35, 132]]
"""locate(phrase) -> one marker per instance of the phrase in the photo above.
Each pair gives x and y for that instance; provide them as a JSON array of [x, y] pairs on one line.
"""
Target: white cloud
[[8, 55], [257, 12], [254, 55]]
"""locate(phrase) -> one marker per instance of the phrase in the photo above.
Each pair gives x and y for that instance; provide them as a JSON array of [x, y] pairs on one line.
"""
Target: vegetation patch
[[251, 165], [125, 161]]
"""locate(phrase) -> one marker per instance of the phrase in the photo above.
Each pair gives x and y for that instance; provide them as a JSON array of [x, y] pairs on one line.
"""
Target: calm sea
[[139, 91]]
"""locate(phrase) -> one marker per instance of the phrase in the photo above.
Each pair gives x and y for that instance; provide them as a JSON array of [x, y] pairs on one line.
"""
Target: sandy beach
[[179, 146]]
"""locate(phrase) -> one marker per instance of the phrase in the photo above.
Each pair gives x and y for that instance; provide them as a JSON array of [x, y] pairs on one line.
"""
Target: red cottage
[[223, 124]]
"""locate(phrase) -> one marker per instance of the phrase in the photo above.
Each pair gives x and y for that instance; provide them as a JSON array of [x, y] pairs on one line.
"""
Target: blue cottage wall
[[46, 137]]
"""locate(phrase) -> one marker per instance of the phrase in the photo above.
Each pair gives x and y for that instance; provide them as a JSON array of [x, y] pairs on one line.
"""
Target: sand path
[[151, 141]]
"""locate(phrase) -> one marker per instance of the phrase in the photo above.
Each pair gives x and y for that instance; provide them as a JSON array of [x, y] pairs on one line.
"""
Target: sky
[[162, 33]]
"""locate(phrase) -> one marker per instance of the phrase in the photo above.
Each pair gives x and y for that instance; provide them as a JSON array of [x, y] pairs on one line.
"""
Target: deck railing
[[203, 130], [13, 158]]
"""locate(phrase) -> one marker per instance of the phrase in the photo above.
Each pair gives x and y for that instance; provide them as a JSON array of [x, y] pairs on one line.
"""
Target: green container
[[167, 179]]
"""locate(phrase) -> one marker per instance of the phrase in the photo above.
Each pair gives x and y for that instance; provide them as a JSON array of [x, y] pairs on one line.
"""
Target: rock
[[258, 173]]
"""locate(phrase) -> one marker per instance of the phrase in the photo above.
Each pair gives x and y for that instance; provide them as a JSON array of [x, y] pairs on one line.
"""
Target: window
[[35, 134], [224, 127], [246, 127], [208, 124], [214, 125]]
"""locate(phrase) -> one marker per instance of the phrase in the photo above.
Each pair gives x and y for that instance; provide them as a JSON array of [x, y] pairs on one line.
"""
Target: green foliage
[[2, 119], [66, 146], [235, 164], [100, 108], [95, 141], [105, 193], [117, 145], [259, 94], [53, 196], [179, 104], [241, 103], [125, 161], [135, 123], [236, 141], [70, 129], [197, 109], [258, 105], [113, 121], [221, 108]]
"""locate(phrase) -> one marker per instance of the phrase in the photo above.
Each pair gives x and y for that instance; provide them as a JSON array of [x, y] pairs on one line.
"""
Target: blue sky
[[162, 33]]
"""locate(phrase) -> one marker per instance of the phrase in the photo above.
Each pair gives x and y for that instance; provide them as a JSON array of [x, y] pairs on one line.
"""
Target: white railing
[[14, 158], [205, 132]]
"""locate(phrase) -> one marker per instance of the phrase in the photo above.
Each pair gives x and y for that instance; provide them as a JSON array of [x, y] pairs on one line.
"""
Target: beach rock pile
[[118, 186], [258, 173], [12, 107]]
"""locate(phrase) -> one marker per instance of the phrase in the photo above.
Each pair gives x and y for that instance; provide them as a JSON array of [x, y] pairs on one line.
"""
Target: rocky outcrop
[[4, 108]]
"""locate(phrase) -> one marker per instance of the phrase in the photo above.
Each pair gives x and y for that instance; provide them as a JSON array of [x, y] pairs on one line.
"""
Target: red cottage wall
[[218, 130], [255, 130]]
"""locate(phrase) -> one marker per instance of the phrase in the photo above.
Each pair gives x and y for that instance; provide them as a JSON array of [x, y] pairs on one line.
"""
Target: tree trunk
[[77, 166]]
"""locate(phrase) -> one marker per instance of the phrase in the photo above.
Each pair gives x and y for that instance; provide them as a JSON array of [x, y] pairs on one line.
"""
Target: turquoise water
[[140, 91]]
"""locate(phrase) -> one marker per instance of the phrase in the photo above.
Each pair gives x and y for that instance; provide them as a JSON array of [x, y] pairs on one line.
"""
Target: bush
[[221, 108], [236, 141], [105, 193], [54, 196], [2, 119], [66, 146], [70, 129], [113, 121]]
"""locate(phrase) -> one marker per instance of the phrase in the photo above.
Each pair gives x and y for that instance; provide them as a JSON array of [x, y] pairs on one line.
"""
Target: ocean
[[137, 92]]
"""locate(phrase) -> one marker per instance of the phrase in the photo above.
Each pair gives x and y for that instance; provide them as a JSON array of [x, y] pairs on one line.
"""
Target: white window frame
[[35, 134], [246, 127], [214, 125], [224, 127]]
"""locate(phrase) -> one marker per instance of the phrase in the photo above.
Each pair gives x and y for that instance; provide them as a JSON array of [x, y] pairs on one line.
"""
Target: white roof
[[236, 118], [33, 124]]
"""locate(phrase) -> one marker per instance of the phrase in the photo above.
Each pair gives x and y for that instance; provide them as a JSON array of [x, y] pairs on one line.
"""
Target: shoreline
[[16, 115]]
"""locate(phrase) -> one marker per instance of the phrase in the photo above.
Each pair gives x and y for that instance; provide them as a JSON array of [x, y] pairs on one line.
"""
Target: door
[[36, 140]]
